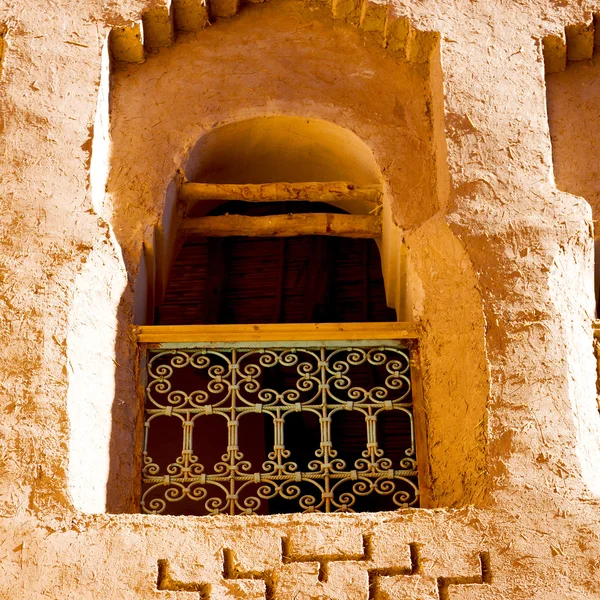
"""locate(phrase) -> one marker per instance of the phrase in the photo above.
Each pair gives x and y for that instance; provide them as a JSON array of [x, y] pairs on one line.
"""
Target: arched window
[[256, 402]]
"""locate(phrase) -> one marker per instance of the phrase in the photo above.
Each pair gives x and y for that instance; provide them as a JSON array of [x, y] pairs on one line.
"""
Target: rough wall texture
[[500, 274]]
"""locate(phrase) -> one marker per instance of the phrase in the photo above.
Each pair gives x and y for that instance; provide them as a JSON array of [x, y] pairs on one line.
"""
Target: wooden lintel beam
[[291, 225], [276, 332], [316, 191]]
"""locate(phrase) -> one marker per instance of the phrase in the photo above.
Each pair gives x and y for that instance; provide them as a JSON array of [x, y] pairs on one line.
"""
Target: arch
[[283, 148]]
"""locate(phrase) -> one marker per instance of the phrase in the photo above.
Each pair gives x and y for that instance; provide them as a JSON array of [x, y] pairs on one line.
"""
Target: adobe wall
[[501, 280]]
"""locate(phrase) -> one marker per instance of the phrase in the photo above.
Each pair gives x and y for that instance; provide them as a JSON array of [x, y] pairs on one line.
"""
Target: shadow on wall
[[572, 66], [573, 97]]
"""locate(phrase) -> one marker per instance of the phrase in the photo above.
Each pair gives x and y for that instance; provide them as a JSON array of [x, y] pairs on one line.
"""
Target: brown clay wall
[[508, 346]]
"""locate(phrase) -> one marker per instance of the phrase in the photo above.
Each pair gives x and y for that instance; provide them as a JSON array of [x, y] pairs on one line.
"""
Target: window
[[293, 424]]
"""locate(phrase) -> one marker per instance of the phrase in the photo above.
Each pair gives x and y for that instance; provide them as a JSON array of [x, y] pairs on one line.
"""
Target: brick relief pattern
[[166, 583], [349, 572]]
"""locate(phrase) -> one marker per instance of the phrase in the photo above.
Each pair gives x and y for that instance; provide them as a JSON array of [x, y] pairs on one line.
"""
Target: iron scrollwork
[[323, 384]]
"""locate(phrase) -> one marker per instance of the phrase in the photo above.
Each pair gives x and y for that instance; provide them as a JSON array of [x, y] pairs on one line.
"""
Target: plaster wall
[[522, 522]]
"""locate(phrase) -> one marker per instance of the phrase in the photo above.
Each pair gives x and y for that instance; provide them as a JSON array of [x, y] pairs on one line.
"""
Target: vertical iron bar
[[371, 436], [232, 433], [325, 433], [420, 430], [186, 450], [278, 445]]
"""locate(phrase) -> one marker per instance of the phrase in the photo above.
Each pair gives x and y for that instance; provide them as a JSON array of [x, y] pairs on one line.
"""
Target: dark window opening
[[305, 279]]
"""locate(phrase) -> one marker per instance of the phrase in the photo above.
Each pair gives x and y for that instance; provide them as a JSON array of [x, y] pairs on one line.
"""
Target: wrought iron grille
[[247, 430]]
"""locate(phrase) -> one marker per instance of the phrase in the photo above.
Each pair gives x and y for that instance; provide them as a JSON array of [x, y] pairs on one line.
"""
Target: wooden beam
[[291, 225], [317, 191], [275, 332]]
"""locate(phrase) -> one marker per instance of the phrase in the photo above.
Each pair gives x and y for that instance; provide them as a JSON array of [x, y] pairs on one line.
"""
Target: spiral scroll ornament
[[204, 405]]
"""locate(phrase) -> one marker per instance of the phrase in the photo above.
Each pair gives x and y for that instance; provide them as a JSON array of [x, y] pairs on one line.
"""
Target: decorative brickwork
[[274, 577], [158, 26]]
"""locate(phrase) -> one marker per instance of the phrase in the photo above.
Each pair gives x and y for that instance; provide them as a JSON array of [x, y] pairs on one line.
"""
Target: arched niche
[[164, 111], [282, 149]]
